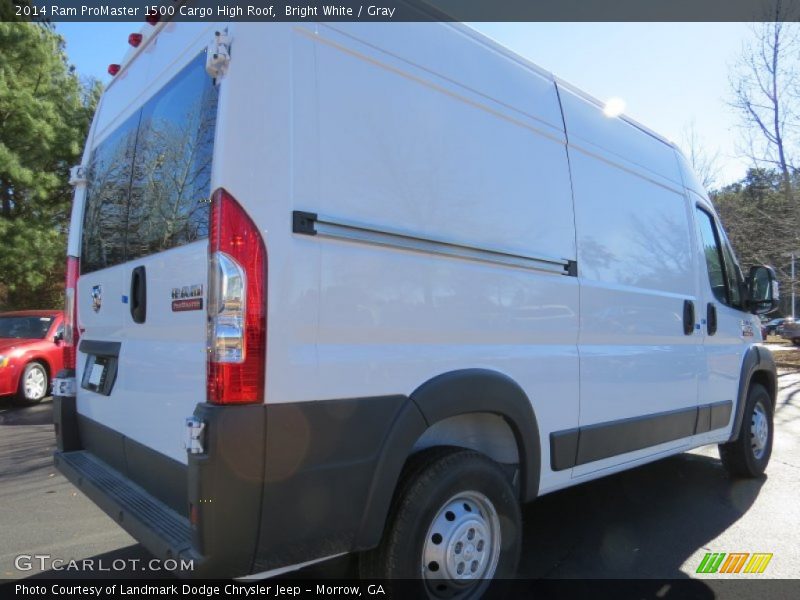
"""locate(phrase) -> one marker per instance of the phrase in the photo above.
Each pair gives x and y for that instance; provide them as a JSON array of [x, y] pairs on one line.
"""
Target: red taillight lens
[[237, 317], [113, 69], [135, 39], [71, 331]]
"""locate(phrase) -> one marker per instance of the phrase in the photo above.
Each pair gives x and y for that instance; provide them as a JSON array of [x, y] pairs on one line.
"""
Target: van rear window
[[149, 181]]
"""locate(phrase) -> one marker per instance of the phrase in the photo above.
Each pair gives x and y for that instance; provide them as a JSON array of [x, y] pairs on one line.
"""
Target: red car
[[31, 353]]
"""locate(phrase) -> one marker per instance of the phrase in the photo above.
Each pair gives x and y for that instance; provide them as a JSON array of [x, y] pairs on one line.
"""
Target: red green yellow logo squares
[[734, 562]]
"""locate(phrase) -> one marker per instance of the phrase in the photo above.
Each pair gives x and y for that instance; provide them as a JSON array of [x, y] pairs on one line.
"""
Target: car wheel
[[454, 525], [32, 385], [796, 341], [748, 455]]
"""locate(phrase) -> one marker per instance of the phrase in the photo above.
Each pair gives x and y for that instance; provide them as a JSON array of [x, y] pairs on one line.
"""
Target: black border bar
[[402, 10]]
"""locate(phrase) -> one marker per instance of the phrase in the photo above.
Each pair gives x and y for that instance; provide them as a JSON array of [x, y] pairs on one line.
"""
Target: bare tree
[[704, 163], [765, 83]]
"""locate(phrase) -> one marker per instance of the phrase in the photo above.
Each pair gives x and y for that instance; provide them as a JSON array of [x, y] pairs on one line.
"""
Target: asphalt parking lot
[[656, 521]]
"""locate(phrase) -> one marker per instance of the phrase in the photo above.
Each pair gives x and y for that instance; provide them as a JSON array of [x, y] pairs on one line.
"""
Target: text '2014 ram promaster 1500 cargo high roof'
[[340, 288]]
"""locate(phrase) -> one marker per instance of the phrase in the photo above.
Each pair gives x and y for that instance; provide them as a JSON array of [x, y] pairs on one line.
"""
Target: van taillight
[[237, 318], [71, 331]]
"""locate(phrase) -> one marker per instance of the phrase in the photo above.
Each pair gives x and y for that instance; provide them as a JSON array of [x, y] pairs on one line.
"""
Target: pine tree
[[45, 111]]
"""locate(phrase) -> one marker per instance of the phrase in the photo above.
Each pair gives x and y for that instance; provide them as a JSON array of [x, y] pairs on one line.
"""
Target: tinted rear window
[[149, 181]]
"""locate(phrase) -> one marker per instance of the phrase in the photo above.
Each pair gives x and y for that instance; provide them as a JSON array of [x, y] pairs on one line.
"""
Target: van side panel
[[398, 147]]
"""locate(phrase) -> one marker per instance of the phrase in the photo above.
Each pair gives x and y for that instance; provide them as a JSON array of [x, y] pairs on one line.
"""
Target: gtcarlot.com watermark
[[47, 562]]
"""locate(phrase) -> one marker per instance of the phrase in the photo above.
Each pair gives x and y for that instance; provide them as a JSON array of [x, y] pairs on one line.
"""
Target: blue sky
[[669, 74]]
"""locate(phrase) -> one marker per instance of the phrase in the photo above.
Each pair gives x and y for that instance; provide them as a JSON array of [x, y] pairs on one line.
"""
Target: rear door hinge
[[64, 387], [194, 436], [218, 54], [77, 175]]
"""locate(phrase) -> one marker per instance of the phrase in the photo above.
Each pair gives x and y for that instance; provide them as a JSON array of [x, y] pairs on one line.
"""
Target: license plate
[[99, 374]]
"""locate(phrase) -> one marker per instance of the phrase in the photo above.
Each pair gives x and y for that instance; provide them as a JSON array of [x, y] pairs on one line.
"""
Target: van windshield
[[149, 180]]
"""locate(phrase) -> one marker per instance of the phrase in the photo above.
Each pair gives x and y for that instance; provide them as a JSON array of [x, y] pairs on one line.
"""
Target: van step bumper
[[160, 529], [221, 488]]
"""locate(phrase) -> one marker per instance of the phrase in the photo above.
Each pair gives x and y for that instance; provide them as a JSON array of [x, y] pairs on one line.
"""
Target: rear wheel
[[796, 341], [748, 455], [455, 524], [32, 385]]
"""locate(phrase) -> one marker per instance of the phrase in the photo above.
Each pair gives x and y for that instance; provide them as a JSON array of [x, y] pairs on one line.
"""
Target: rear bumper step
[[144, 491], [160, 529]]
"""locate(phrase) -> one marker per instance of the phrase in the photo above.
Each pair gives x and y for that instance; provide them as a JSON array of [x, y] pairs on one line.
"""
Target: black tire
[[796, 341], [748, 455], [434, 483], [24, 395]]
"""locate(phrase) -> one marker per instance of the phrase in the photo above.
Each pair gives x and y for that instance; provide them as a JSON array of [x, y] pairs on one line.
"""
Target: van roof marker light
[[113, 69], [135, 39]]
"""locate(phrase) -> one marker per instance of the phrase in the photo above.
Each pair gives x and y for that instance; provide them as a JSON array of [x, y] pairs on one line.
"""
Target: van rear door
[[144, 264]]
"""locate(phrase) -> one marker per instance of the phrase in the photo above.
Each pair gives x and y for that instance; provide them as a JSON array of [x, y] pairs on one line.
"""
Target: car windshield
[[29, 328]]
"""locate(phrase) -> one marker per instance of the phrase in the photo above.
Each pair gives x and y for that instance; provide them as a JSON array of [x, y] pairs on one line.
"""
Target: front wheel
[[32, 385], [748, 455], [455, 525]]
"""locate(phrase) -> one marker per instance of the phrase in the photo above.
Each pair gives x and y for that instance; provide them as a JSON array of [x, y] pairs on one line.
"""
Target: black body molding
[[758, 366], [322, 463], [332, 466], [582, 445], [279, 484], [485, 391], [573, 447]]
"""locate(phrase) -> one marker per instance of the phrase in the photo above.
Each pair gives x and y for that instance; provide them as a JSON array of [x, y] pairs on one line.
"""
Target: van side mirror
[[763, 292], [58, 338]]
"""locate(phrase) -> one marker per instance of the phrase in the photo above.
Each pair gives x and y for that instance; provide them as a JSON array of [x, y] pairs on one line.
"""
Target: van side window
[[732, 272], [150, 180], [723, 271]]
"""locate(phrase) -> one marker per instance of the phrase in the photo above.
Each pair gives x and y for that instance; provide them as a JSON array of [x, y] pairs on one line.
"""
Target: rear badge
[[97, 297], [188, 297]]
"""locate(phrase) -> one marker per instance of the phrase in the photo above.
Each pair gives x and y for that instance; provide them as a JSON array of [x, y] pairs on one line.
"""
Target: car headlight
[[3, 361]]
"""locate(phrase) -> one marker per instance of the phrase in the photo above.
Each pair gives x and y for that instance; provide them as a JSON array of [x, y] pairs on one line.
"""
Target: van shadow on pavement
[[641, 523]]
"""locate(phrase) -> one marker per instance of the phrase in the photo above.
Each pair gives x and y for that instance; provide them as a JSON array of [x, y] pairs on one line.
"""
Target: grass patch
[[787, 360]]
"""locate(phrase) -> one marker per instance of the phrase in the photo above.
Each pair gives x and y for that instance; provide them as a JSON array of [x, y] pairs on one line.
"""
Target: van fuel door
[[218, 54]]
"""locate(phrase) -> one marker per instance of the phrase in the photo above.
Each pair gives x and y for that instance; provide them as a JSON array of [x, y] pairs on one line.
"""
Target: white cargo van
[[368, 287]]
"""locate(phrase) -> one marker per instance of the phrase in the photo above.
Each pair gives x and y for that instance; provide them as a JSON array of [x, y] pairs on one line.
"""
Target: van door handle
[[688, 317], [139, 295], [711, 318]]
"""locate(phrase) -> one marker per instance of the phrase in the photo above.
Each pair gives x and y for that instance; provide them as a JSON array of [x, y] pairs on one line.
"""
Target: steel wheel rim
[[462, 545], [759, 430]]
